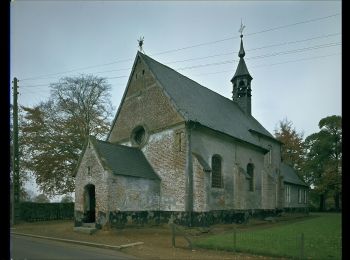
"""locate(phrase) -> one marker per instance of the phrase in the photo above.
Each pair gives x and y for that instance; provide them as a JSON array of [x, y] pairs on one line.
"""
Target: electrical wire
[[188, 47]]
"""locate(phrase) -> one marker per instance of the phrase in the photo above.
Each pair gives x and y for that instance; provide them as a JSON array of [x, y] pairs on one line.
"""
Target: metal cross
[[140, 41], [242, 28]]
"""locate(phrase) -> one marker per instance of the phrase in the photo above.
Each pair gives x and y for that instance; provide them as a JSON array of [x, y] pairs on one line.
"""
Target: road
[[37, 248]]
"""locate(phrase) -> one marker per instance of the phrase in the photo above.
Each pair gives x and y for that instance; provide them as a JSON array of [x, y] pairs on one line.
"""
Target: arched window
[[250, 172], [216, 176], [139, 136]]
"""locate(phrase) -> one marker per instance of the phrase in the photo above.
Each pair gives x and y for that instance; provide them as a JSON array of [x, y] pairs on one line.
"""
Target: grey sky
[[300, 80]]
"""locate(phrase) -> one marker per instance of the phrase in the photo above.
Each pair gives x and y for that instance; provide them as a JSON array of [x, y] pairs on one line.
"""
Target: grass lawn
[[322, 239]]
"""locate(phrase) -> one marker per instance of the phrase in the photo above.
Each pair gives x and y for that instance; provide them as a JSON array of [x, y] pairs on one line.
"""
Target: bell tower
[[241, 81]]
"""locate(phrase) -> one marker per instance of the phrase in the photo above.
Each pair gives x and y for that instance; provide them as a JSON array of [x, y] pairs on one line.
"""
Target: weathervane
[[140, 41], [241, 29]]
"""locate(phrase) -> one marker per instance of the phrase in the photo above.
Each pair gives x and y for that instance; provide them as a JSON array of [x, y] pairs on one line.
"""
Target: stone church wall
[[235, 156], [91, 172], [144, 104], [128, 193], [166, 146], [201, 185], [166, 152]]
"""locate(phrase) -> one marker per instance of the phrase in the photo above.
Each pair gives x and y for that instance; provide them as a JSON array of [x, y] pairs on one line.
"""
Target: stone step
[[89, 225], [86, 230]]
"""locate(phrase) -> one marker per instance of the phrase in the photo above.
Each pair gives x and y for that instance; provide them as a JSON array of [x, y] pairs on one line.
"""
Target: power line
[[296, 50], [266, 65], [45, 85], [258, 48], [88, 67], [310, 58], [249, 34], [315, 47], [293, 24], [264, 56], [293, 42], [231, 53], [256, 66], [34, 86], [192, 46]]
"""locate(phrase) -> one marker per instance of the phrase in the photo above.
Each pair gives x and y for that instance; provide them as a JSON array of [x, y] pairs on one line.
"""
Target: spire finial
[[241, 29], [140, 41], [241, 52]]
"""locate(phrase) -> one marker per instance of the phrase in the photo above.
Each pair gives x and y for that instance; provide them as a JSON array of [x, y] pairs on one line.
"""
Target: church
[[180, 152]]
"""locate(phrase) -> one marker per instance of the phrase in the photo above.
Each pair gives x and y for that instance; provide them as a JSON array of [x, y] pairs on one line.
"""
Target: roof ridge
[[117, 145], [186, 77]]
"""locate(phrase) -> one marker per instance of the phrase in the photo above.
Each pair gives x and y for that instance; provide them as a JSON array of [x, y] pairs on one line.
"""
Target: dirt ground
[[157, 239]]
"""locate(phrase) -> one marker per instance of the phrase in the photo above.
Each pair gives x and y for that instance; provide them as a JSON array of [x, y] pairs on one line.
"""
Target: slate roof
[[242, 69], [290, 175], [197, 103], [124, 160]]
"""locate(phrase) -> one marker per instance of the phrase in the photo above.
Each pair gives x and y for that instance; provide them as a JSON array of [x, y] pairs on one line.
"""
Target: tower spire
[[241, 80]]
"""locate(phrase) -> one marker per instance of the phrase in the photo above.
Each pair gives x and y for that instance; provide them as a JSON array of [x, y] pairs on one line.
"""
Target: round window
[[138, 136]]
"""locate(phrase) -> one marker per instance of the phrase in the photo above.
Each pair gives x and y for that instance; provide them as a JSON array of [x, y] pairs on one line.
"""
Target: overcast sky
[[293, 49]]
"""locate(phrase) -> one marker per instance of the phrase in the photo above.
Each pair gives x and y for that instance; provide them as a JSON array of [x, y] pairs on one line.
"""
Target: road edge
[[80, 242]]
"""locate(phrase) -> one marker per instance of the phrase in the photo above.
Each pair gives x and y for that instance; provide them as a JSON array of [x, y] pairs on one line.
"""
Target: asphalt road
[[37, 248]]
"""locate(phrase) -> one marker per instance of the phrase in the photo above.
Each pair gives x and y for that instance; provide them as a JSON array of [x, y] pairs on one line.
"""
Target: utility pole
[[15, 159]]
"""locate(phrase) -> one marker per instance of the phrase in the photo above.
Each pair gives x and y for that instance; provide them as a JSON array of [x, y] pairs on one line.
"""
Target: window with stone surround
[[250, 172], [300, 195], [139, 136], [287, 193], [216, 175]]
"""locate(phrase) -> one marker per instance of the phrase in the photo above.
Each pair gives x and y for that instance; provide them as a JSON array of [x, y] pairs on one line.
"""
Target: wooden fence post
[[302, 246], [234, 238], [173, 234]]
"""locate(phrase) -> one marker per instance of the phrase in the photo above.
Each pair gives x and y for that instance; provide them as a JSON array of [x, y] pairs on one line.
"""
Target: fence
[[31, 211], [291, 244]]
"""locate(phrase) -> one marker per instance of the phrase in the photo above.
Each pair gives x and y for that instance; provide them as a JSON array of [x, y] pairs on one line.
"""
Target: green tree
[[41, 198], [292, 150], [67, 199], [27, 195], [55, 131], [23, 173], [324, 158]]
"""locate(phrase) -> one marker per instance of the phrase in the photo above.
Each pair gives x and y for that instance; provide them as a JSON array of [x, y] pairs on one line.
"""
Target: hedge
[[31, 211]]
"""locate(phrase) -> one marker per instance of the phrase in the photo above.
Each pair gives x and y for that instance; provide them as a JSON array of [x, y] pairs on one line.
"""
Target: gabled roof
[[197, 103], [290, 176], [123, 160]]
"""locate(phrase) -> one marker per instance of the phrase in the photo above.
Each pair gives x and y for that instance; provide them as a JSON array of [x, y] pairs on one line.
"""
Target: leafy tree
[[41, 198], [55, 131], [23, 174], [324, 158], [27, 195], [67, 199], [292, 150]]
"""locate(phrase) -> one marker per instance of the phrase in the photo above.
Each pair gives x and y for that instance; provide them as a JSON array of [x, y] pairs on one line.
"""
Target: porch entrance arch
[[89, 203]]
